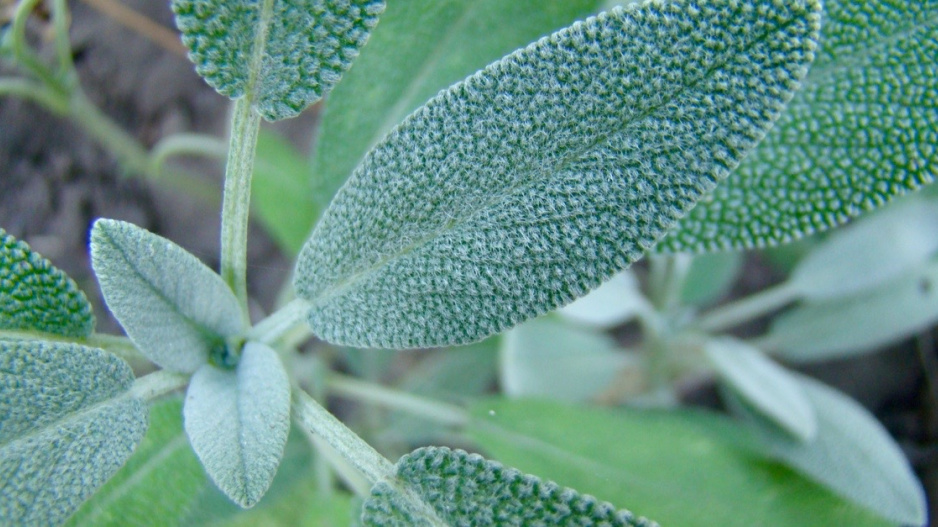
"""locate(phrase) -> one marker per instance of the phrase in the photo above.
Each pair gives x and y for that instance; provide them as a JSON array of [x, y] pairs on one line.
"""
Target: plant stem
[[279, 322], [21, 52], [440, 412], [63, 48], [35, 92], [187, 144], [157, 384], [748, 308], [352, 477], [667, 279]]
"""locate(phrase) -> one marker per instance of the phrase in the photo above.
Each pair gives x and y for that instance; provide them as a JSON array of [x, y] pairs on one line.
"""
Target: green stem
[[187, 144], [447, 414], [668, 273], [157, 384], [63, 47], [748, 308], [279, 322], [35, 92], [21, 52]]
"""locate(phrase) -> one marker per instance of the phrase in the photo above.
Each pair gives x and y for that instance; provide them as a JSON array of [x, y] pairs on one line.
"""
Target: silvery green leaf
[[438, 486], [289, 53], [766, 386], [542, 175], [870, 252], [710, 277], [548, 358], [67, 424], [616, 301], [854, 456], [36, 296], [859, 323], [862, 130], [238, 420], [175, 309], [421, 47]]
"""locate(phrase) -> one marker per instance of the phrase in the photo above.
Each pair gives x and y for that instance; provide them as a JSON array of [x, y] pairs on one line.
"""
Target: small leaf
[[456, 488], [763, 384], [616, 301], [861, 131], [292, 51], [853, 455], [36, 296], [710, 277], [67, 424], [539, 177], [174, 308], [238, 421]]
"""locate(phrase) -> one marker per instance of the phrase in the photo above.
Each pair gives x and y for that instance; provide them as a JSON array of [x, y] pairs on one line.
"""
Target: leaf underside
[[36, 296], [534, 180], [467, 489], [863, 129]]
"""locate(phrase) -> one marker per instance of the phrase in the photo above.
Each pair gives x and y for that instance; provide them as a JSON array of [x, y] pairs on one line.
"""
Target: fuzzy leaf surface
[[298, 50], [863, 129], [174, 308], [37, 296], [539, 177], [467, 489], [67, 424], [238, 421]]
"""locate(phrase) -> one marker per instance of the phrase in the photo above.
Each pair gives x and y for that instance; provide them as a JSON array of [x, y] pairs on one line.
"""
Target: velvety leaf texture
[[467, 489], [36, 296], [536, 179], [309, 45], [863, 129], [67, 424]]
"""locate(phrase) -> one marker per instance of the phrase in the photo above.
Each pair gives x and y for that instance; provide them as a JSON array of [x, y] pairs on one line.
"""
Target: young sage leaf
[[67, 424], [285, 54], [36, 296], [863, 129], [451, 487], [615, 302], [176, 310], [539, 177], [238, 421]]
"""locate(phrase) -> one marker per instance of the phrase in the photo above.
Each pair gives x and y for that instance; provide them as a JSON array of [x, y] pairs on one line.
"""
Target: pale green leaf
[[159, 483], [286, 54], [67, 424], [539, 177], [238, 420], [853, 455], [176, 310], [766, 386], [36, 296], [863, 129], [682, 468], [710, 277], [616, 301], [452, 487], [546, 357], [859, 323], [421, 47]]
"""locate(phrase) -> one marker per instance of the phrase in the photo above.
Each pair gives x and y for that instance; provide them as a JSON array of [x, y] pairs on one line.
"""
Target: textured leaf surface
[[616, 301], [174, 308], [238, 421], [542, 175], [863, 129], [421, 47], [299, 49], [678, 467], [36, 296], [467, 489], [159, 483], [67, 424]]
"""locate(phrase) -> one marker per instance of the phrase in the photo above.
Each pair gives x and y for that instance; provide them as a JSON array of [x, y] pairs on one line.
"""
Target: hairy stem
[[279, 322], [443, 413], [159, 383], [748, 308]]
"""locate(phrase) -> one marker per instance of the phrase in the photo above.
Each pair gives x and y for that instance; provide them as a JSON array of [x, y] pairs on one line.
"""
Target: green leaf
[[285, 54], [539, 177], [159, 483], [176, 310], [853, 455], [616, 301], [680, 467], [67, 424], [238, 422], [710, 277], [421, 47], [36, 296], [766, 386], [439, 486], [861, 131], [859, 323]]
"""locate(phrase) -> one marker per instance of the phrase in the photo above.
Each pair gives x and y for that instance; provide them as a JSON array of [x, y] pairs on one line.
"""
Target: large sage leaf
[[537, 178], [176, 310], [862, 130], [438, 486], [36, 296], [285, 54], [67, 424], [238, 421], [684, 468]]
